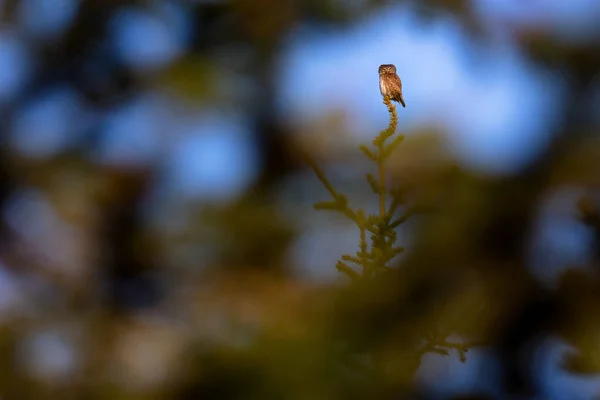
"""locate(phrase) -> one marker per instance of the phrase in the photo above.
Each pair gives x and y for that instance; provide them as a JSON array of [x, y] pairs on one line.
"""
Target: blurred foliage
[[154, 297]]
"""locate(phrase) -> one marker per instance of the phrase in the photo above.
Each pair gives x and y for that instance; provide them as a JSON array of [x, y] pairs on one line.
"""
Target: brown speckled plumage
[[390, 84]]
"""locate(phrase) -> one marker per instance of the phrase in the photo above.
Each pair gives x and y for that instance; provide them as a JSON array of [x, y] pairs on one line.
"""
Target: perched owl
[[390, 84]]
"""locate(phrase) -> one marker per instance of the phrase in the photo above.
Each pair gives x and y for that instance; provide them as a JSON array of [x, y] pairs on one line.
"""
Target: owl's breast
[[382, 87]]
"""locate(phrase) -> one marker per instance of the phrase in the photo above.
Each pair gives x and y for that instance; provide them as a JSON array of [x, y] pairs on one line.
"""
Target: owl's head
[[387, 69]]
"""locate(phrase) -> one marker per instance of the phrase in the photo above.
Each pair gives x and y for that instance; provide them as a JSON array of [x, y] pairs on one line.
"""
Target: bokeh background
[[157, 235]]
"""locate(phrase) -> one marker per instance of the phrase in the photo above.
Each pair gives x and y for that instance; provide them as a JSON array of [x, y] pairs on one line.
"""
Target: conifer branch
[[374, 255], [374, 258]]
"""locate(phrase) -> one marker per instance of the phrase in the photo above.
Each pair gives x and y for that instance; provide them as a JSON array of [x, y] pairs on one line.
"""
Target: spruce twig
[[374, 256], [382, 249]]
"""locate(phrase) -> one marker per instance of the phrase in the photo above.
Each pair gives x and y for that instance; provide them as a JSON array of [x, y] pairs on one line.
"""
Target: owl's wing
[[396, 80], [398, 83]]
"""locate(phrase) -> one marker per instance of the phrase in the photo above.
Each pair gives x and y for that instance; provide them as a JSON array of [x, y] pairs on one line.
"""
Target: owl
[[390, 84]]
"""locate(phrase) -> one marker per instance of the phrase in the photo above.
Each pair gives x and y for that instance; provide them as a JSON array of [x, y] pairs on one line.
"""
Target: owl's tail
[[402, 101]]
